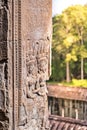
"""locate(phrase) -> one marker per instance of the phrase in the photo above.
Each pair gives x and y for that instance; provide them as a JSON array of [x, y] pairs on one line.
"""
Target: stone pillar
[[25, 37], [36, 38]]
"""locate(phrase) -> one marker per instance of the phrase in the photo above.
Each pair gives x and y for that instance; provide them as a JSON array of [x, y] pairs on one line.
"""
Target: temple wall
[[4, 98], [74, 109], [36, 39], [25, 37]]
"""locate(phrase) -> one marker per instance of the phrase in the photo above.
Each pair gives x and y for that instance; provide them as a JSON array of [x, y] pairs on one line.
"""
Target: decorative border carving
[[17, 60]]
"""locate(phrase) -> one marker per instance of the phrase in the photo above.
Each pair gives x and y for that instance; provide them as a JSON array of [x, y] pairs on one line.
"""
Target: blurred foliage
[[73, 83], [80, 83], [69, 43]]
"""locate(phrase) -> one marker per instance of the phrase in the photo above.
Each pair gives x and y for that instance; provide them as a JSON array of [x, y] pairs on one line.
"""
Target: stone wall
[[59, 123], [65, 92], [4, 99], [25, 37], [36, 16], [68, 108]]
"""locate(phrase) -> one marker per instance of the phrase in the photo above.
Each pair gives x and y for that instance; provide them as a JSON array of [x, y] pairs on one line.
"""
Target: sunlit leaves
[[70, 57], [70, 36], [69, 30]]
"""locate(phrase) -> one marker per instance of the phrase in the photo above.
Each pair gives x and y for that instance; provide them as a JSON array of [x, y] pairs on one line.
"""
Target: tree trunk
[[82, 69], [82, 63], [67, 72]]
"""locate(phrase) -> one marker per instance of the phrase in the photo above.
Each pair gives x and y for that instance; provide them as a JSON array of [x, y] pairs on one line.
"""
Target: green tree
[[78, 16], [69, 36]]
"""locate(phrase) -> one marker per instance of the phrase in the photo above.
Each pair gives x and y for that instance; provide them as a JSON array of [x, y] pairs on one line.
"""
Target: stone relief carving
[[26, 108], [2, 80], [23, 115], [3, 32], [31, 78], [37, 74], [3, 87], [4, 100], [42, 75], [37, 68]]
